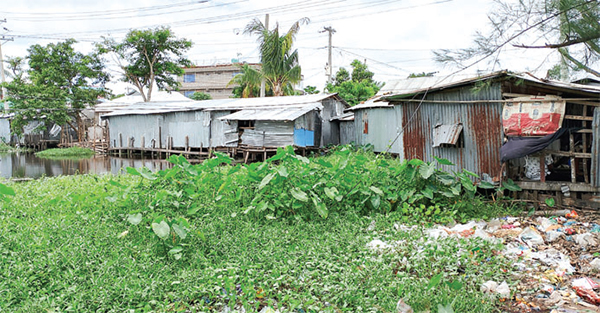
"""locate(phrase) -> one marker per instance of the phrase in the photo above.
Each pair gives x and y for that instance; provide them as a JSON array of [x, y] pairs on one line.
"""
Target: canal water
[[27, 165]]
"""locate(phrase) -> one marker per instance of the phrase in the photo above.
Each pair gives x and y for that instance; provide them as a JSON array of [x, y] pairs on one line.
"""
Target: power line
[[376, 61], [107, 12]]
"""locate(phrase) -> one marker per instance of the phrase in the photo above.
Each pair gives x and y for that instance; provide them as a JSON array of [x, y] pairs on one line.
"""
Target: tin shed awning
[[271, 114], [447, 134]]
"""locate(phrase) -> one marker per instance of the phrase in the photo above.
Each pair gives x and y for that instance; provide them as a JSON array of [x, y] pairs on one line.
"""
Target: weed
[[65, 152]]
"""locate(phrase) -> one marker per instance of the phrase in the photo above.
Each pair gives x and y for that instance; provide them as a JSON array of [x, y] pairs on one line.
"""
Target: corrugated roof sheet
[[349, 116], [221, 104], [280, 113], [413, 86]]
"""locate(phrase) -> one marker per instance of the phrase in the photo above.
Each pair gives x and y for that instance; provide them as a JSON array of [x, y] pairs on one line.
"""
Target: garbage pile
[[556, 260]]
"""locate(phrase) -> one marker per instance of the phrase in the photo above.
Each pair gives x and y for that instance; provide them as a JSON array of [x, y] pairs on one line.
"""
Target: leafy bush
[[291, 186]]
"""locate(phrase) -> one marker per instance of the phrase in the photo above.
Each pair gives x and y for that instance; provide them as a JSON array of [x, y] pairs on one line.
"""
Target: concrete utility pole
[[3, 38], [262, 83], [329, 63]]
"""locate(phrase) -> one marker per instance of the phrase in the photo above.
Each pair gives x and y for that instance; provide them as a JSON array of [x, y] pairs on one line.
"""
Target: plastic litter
[[572, 214], [489, 286], [402, 307], [552, 235], [595, 264], [588, 295], [531, 236], [585, 240], [503, 290], [268, 310], [377, 244], [585, 282]]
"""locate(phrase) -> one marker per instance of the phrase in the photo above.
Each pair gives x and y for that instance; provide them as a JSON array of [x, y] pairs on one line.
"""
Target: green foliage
[[58, 84], [279, 63], [186, 239], [422, 74], [149, 56], [65, 152], [311, 90], [247, 82], [199, 96], [292, 186], [356, 88]]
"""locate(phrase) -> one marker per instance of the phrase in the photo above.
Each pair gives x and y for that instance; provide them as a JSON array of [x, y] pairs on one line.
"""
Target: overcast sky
[[395, 37]]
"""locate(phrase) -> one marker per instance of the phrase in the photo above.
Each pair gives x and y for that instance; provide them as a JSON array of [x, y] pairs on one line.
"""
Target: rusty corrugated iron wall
[[479, 150]]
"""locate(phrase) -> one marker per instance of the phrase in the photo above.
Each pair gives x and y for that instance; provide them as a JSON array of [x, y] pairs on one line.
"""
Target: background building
[[211, 79]]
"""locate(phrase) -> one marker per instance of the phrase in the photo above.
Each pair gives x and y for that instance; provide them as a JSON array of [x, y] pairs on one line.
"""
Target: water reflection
[[27, 165]]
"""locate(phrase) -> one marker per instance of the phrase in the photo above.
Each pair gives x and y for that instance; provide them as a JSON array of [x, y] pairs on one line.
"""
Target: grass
[[69, 244], [66, 152], [6, 148]]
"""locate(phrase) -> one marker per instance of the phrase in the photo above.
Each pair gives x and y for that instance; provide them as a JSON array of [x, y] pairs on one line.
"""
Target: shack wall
[[347, 132], [222, 133], [5, 135], [269, 134], [330, 131], [307, 130], [145, 126], [379, 127], [479, 146], [195, 125]]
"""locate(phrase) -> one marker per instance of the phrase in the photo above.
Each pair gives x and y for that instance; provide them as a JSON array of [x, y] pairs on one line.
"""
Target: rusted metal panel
[[478, 150], [446, 134]]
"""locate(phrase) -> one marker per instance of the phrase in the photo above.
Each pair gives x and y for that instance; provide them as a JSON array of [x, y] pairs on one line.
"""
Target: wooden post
[[586, 174], [572, 159], [152, 152], [543, 166], [120, 144], [187, 144], [159, 142]]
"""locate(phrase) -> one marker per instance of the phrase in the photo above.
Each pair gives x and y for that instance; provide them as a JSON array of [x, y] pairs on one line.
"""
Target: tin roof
[[410, 87], [280, 113], [222, 104]]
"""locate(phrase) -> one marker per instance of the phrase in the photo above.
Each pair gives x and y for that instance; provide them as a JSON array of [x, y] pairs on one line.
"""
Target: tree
[[356, 88], [199, 96], [311, 90], [58, 84], [422, 74], [248, 82], [569, 27], [149, 56], [280, 67]]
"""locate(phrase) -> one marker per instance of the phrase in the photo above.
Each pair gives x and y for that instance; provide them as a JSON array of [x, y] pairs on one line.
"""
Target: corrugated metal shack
[[461, 119], [231, 125]]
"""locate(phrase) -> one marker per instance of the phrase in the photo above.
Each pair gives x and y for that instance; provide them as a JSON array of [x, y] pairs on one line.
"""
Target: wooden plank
[[584, 102], [555, 186], [578, 155], [579, 118]]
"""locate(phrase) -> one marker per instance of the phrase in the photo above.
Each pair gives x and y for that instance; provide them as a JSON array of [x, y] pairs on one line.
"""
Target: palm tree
[[280, 66], [248, 80]]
